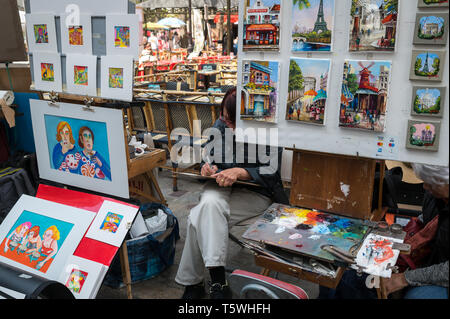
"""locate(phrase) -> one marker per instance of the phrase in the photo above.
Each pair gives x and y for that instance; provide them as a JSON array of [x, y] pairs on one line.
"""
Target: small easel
[[333, 183], [142, 165]]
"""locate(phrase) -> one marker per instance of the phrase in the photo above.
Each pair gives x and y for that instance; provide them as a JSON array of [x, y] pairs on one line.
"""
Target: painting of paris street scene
[[259, 96], [364, 95], [261, 25], [373, 25], [308, 86], [312, 25]]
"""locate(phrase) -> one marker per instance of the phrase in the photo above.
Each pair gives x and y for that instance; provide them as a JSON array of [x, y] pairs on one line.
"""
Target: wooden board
[[333, 183]]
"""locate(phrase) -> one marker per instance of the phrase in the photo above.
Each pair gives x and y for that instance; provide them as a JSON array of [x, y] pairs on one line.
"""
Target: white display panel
[[96, 7], [331, 138]]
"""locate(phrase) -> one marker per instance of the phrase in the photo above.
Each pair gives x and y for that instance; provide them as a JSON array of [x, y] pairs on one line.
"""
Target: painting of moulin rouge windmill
[[364, 95], [312, 25], [423, 135], [427, 65], [373, 25], [259, 96], [261, 25]]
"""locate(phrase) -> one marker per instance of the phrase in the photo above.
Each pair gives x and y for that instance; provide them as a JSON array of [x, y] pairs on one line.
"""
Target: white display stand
[[331, 138]]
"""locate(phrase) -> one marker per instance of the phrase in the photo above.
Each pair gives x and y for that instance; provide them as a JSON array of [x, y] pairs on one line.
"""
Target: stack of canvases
[[94, 55]]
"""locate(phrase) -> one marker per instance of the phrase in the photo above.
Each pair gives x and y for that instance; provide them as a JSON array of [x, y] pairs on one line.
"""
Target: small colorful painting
[[34, 240], [41, 33], [306, 231], [78, 147], [47, 72], [427, 65], [308, 87], [80, 75], [76, 35], [423, 135], [260, 80], [431, 28], [76, 280], [312, 25], [432, 3], [364, 94], [376, 255], [122, 37], [428, 101], [373, 25], [116, 78], [111, 222], [261, 25]]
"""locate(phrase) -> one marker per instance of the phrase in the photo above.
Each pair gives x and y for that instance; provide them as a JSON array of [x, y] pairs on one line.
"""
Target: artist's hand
[[208, 170], [395, 283], [228, 177]]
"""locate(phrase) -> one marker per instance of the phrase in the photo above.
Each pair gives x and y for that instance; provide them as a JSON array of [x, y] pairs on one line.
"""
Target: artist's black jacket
[[271, 185], [431, 208]]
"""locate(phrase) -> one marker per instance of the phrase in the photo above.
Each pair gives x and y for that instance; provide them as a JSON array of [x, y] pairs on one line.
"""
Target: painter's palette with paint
[[305, 231]]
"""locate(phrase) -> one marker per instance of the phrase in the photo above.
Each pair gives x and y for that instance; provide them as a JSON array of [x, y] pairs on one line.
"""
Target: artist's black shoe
[[217, 291], [194, 292]]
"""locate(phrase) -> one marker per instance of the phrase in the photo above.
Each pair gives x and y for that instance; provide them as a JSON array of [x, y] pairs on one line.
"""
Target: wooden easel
[[137, 166], [321, 181]]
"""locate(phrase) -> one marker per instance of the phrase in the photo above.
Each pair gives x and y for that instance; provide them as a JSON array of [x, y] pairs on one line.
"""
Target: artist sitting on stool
[[222, 204], [430, 279]]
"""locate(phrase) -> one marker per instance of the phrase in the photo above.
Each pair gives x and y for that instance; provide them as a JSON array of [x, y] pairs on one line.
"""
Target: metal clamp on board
[[54, 97], [88, 104]]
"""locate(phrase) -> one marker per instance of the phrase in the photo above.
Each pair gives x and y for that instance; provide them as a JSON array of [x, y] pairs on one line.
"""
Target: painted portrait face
[[48, 235], [24, 229], [65, 135], [87, 141]]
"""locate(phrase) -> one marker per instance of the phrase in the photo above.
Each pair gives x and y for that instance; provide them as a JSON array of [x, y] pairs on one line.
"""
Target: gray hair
[[432, 174]]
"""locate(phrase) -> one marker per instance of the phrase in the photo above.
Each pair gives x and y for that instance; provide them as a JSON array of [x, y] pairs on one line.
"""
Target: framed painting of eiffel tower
[[373, 25], [312, 25], [427, 65]]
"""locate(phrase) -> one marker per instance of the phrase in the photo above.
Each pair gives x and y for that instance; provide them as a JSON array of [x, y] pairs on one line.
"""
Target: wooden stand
[[332, 183]]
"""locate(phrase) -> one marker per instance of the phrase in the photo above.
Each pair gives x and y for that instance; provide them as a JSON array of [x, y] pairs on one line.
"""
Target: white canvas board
[[61, 226], [94, 7], [41, 33], [47, 72], [81, 74], [108, 144], [76, 34], [116, 27], [82, 277], [114, 88], [376, 255], [330, 138], [112, 223]]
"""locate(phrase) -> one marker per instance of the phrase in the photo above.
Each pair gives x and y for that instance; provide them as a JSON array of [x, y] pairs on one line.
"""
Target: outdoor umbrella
[[155, 26], [172, 22]]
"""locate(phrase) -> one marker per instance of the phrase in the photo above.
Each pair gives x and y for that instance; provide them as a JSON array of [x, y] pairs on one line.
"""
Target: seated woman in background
[[430, 279], [222, 204]]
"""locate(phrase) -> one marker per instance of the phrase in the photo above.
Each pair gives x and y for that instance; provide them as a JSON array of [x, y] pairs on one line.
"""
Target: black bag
[[14, 183]]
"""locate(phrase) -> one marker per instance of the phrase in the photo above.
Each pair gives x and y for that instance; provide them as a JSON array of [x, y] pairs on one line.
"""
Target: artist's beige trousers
[[206, 242]]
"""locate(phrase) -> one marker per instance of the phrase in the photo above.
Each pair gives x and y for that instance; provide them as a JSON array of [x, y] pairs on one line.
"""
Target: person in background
[[223, 203], [176, 41], [430, 280], [153, 40]]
